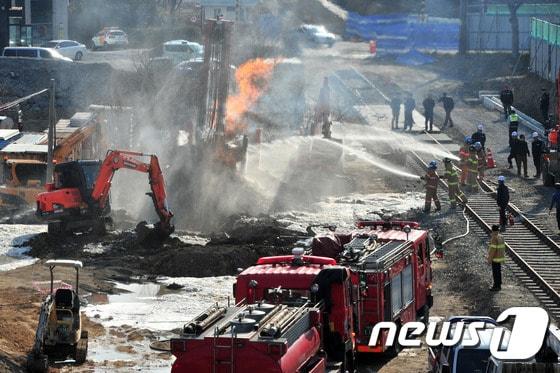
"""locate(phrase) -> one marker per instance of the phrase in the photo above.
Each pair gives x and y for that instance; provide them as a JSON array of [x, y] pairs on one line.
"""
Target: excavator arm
[[117, 159]]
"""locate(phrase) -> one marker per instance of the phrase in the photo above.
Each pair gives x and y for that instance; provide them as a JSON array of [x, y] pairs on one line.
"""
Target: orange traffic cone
[[490, 159]]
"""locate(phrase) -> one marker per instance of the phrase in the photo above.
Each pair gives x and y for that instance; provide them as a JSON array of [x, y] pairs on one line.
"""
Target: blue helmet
[[432, 165], [477, 145], [468, 140]]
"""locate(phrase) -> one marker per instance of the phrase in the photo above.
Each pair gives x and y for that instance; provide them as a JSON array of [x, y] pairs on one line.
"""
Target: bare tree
[[514, 6]]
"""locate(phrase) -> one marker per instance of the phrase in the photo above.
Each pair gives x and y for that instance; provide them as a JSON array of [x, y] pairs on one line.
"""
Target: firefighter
[[506, 97], [452, 177], [432, 180], [502, 199], [556, 203], [481, 154], [464, 157], [479, 136], [521, 154], [496, 256], [513, 148], [537, 147], [472, 174]]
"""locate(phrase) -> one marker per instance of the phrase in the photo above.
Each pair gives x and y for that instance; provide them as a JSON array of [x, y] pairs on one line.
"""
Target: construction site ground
[[120, 260]]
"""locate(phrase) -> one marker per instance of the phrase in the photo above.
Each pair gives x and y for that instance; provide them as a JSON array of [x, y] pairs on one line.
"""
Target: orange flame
[[252, 78]]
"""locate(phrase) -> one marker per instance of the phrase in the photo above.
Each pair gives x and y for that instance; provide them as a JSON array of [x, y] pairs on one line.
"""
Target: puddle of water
[[12, 239]]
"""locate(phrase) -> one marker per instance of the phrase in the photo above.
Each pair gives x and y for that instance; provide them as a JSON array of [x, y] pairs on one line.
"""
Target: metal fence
[[489, 27], [545, 49]]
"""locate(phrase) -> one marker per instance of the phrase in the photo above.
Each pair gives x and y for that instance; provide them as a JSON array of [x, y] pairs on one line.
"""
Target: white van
[[182, 50], [34, 52]]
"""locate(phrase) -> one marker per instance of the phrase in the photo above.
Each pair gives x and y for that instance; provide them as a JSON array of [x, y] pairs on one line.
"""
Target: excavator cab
[[77, 174]]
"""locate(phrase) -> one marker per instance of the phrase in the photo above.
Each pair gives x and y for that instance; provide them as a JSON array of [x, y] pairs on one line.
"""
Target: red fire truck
[[391, 267], [308, 313]]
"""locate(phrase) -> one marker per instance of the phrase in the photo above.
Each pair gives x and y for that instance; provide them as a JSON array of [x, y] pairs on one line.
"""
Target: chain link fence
[[545, 48]]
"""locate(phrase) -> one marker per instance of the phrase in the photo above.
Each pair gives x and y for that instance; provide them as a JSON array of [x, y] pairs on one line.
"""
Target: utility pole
[[463, 33], [51, 134]]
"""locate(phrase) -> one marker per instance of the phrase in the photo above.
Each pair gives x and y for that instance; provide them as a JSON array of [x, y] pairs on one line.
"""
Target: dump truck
[[313, 313]]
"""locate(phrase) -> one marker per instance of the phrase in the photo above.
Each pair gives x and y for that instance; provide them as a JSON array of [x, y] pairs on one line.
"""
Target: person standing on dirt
[[556, 203], [448, 106], [429, 105], [521, 154], [513, 148], [409, 105], [432, 180], [396, 111], [324, 104], [452, 177], [464, 159], [479, 136], [506, 97], [537, 147], [472, 175], [544, 104], [496, 256]]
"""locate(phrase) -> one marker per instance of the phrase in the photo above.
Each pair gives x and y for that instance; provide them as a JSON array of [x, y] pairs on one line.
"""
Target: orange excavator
[[78, 200]]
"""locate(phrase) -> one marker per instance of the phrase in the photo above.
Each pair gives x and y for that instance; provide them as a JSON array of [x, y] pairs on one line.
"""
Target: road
[[120, 59]]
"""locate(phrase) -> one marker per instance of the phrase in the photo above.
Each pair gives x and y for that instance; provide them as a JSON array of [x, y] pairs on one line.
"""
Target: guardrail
[[492, 102]]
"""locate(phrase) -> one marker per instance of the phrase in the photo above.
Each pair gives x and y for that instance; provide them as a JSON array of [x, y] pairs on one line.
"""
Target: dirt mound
[[244, 241]]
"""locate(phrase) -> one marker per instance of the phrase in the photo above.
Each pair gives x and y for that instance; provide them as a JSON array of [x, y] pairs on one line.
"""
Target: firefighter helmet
[[468, 140], [501, 179], [477, 145], [432, 165]]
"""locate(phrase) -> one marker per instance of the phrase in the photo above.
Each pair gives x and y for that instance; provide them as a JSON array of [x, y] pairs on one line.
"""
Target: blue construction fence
[[402, 32]]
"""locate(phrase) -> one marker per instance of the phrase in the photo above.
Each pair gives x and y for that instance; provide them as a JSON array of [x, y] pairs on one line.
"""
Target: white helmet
[[480, 127], [514, 134], [535, 135], [501, 179]]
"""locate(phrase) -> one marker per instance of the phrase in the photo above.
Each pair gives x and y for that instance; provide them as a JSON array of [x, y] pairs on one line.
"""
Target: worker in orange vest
[[482, 163], [463, 159], [432, 180]]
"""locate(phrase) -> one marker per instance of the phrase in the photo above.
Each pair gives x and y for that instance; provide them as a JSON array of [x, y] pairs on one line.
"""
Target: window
[[66, 44], [32, 53], [396, 294], [45, 54], [472, 360], [407, 285], [9, 52], [178, 48], [51, 44]]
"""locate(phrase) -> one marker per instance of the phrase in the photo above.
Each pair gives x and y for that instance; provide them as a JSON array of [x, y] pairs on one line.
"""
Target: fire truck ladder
[[218, 347]]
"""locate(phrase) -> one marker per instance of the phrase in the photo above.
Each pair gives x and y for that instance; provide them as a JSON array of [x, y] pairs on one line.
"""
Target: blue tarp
[[396, 32], [414, 58]]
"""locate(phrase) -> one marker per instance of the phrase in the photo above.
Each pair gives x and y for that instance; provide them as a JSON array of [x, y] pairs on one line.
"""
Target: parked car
[[182, 50], [68, 48], [34, 52], [109, 37], [318, 34], [464, 359]]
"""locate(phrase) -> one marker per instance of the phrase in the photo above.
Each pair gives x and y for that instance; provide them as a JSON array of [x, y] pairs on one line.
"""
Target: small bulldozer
[[59, 337]]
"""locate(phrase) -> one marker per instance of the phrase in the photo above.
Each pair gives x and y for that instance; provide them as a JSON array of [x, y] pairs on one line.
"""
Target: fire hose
[[459, 236]]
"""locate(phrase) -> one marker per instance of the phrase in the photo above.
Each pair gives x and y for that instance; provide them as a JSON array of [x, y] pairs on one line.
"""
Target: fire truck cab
[[293, 314], [390, 266]]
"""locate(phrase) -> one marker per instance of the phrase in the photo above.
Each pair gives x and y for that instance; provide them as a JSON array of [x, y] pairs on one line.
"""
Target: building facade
[[231, 10], [32, 22]]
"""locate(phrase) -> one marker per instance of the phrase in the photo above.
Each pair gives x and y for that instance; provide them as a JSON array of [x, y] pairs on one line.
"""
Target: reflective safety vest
[[473, 164], [513, 118], [452, 177], [497, 250]]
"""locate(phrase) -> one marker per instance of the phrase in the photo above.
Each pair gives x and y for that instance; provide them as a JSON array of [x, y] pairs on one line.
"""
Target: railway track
[[533, 256]]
